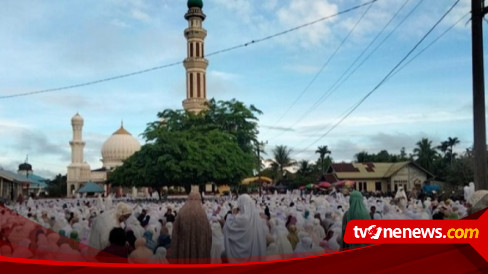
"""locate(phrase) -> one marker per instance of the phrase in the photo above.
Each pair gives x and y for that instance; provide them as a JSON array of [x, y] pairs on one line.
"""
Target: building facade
[[382, 177]]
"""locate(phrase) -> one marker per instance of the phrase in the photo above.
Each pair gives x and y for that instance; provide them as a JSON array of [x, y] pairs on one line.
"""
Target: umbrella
[[310, 186], [345, 183], [302, 188], [324, 184], [258, 179]]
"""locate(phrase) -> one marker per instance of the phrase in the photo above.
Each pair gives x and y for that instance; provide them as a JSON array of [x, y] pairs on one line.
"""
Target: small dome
[[120, 146], [25, 167], [195, 3], [77, 119]]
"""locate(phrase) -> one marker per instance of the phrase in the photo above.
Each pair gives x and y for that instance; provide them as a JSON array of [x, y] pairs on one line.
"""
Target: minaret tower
[[195, 64], [78, 170], [77, 144]]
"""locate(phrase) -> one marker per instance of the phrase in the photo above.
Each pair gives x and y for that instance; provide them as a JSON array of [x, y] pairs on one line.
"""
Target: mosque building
[[118, 147], [121, 145]]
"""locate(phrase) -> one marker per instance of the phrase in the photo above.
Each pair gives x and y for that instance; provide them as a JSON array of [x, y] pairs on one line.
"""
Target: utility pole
[[478, 11], [259, 146]]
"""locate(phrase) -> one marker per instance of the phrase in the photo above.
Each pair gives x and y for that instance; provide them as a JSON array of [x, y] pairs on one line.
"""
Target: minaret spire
[[195, 63]]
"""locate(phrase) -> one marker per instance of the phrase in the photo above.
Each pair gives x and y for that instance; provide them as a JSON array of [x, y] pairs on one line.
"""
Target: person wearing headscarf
[[478, 201], [304, 244], [150, 243], [142, 254], [117, 250], [160, 256], [293, 236], [104, 223], [191, 236], [245, 232], [217, 241], [356, 211]]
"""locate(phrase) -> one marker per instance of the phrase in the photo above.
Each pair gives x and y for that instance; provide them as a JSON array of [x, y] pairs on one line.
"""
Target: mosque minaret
[[78, 170], [195, 63]]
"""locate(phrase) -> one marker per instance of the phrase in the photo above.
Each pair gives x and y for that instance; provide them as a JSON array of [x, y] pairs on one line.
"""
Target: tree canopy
[[184, 148]]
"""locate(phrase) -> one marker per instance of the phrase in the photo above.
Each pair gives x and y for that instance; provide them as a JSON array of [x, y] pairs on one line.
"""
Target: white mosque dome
[[120, 146]]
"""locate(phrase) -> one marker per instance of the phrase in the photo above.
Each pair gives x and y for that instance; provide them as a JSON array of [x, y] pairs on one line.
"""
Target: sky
[[292, 77]]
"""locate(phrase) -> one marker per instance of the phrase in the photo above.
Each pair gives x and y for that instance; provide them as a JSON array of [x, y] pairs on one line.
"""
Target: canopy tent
[[91, 187], [258, 179]]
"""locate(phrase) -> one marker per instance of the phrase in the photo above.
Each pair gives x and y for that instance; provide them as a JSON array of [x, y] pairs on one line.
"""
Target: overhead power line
[[89, 83], [343, 77], [386, 78], [350, 72], [325, 64]]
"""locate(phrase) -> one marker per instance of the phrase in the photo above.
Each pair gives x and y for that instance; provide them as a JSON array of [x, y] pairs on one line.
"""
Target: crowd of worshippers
[[239, 229]]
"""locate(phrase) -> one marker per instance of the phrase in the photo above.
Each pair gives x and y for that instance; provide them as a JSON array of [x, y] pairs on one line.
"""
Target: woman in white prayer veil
[[108, 201], [245, 232], [304, 245], [217, 241], [103, 224], [468, 191], [400, 193], [283, 244]]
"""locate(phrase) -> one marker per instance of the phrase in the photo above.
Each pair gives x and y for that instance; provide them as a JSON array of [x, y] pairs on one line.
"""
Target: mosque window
[[191, 49], [198, 85], [204, 86], [191, 85], [198, 49]]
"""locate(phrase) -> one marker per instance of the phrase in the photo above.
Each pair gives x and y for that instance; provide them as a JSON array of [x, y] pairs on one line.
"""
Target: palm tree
[[304, 168], [282, 158], [322, 151], [444, 147], [451, 142], [425, 153]]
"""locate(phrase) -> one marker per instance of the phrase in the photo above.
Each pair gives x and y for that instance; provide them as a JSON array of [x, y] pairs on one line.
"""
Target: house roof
[[14, 177], [330, 178], [37, 181], [370, 170]]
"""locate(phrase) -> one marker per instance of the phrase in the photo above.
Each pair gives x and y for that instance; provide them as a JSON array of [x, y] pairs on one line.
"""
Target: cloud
[[37, 143], [119, 23], [378, 119], [298, 12], [140, 15], [277, 128]]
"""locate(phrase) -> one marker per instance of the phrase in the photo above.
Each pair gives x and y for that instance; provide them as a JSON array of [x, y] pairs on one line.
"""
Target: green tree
[[425, 154], [305, 168], [57, 187], [282, 159], [322, 151], [183, 148], [362, 157], [232, 117], [451, 142]]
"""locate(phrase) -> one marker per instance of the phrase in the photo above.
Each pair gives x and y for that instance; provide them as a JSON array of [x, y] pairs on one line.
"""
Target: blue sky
[[49, 44]]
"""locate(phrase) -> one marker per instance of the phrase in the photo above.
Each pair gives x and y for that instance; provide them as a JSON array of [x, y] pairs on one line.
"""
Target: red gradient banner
[[450, 256], [473, 232]]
